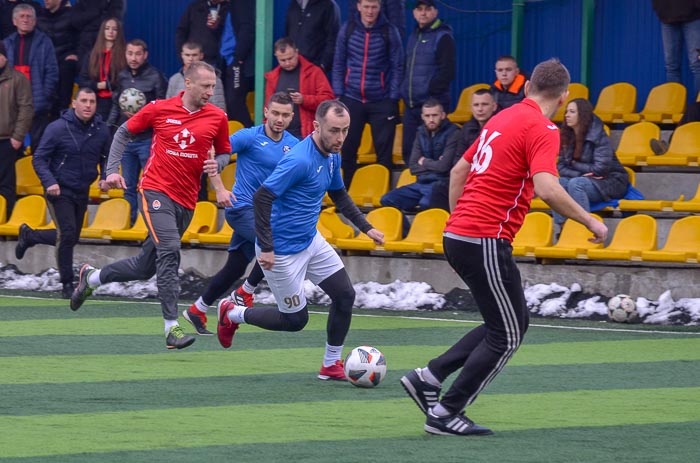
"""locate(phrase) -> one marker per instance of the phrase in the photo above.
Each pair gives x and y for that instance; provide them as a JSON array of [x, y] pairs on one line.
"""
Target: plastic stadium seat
[[250, 103], [27, 181], [388, 220], [665, 104], [233, 127], [616, 100], [538, 203], [405, 178], [228, 176], [222, 236], [332, 227], [634, 148], [365, 152], [424, 235], [691, 205], [633, 235], [397, 149], [203, 221], [535, 232], [684, 149], [682, 243], [575, 91], [113, 214], [463, 111], [3, 209], [369, 184], [138, 232], [30, 210], [573, 243]]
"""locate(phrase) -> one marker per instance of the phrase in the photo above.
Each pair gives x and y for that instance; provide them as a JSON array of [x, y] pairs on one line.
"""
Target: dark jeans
[[8, 175]]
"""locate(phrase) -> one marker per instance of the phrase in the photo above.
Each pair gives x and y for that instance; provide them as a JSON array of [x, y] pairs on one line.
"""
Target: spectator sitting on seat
[[509, 87], [190, 53], [305, 83], [430, 161], [588, 168]]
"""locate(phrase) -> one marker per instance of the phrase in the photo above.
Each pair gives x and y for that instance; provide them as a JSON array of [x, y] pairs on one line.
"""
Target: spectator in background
[[107, 59], [203, 23], [138, 74], [31, 52], [54, 21], [588, 168], [430, 69], [66, 163], [17, 112], [6, 7], [305, 83], [680, 22], [240, 67], [367, 75], [313, 25], [393, 10], [509, 87], [190, 53], [88, 15]]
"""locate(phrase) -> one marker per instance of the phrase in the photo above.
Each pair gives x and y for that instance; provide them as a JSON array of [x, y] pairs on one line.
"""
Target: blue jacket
[[70, 151], [438, 151], [44, 68], [365, 68]]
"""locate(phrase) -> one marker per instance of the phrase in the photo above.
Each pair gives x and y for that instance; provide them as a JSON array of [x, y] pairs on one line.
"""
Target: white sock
[[201, 306], [236, 314], [332, 355], [169, 324], [439, 410], [248, 288], [94, 278], [428, 376]]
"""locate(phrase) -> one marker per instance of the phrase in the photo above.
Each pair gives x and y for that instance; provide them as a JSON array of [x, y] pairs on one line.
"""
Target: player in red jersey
[[490, 192], [184, 129]]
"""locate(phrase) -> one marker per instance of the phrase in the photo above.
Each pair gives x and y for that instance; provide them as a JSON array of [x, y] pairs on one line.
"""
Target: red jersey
[[514, 145], [181, 143]]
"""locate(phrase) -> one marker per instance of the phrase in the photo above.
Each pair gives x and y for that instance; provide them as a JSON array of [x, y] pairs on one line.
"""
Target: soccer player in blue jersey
[[259, 150], [289, 248]]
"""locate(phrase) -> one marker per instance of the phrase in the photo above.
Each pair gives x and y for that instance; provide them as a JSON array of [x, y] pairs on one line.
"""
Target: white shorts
[[286, 278]]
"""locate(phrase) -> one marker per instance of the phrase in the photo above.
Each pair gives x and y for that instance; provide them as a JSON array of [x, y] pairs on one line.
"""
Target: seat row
[[683, 150]]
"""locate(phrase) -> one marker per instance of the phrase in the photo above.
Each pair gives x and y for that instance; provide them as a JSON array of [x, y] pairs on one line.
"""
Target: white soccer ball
[[622, 309], [131, 100], [365, 366]]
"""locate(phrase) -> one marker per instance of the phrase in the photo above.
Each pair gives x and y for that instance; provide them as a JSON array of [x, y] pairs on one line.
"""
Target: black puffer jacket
[[58, 27]]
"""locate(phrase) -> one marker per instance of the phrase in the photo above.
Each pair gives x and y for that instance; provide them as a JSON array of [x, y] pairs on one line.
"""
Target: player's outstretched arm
[[121, 138], [458, 177], [262, 207]]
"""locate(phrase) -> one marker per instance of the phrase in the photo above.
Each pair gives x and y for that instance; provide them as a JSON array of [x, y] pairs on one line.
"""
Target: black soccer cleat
[[83, 290], [424, 394], [453, 425]]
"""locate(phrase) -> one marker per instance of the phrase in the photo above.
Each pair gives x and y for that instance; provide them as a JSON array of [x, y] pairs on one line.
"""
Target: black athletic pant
[[490, 272], [237, 86], [67, 70], [338, 287], [232, 271], [8, 175]]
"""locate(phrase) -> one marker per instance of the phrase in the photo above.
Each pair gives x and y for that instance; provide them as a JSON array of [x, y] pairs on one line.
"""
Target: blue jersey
[[257, 157], [299, 182]]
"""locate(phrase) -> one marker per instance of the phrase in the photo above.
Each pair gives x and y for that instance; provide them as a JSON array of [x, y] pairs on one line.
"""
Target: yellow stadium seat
[[27, 181], [222, 236], [536, 231], [397, 149], [233, 127], [3, 209], [406, 178], [573, 243], [113, 214], [616, 100], [250, 103], [684, 149], [332, 227], [665, 104], [633, 235], [95, 193], [365, 152], [538, 203], [228, 176], [387, 220], [138, 232], [691, 205], [463, 111], [424, 235], [203, 221], [369, 184], [682, 243], [576, 90], [30, 210], [634, 148]]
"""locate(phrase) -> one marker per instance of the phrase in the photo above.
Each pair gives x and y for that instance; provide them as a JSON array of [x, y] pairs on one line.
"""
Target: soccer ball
[[622, 309], [131, 100], [365, 366]]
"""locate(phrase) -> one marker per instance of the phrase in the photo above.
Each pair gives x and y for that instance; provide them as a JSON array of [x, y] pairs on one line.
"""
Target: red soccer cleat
[[242, 297], [335, 372], [225, 328]]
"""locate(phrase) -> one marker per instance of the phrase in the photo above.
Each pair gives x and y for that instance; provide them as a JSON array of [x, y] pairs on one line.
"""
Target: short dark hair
[[336, 105], [507, 58], [195, 67], [550, 79], [280, 98], [432, 103], [191, 46], [138, 43], [282, 44], [87, 90], [482, 91]]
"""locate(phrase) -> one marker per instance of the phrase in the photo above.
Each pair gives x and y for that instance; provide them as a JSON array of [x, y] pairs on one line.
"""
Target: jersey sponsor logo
[[156, 205], [173, 121], [484, 152], [184, 138], [552, 127]]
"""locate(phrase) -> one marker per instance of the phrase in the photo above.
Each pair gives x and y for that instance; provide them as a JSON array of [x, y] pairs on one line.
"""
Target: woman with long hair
[[106, 60], [588, 167]]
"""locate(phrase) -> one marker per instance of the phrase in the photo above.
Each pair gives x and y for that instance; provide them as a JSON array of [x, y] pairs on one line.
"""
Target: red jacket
[[314, 87]]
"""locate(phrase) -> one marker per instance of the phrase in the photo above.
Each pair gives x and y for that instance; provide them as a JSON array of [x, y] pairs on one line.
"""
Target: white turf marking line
[[476, 322]]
